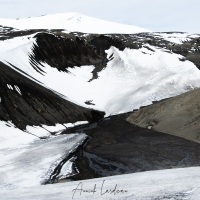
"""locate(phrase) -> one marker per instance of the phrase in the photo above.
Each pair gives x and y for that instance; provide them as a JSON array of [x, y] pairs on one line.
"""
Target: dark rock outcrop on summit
[[26, 102]]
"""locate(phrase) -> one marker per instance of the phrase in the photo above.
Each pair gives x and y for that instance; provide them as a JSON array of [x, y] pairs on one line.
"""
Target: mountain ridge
[[25, 102], [71, 22]]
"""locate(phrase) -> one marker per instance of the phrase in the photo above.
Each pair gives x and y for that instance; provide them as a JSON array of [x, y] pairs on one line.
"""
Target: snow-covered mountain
[[95, 68], [72, 22], [59, 71]]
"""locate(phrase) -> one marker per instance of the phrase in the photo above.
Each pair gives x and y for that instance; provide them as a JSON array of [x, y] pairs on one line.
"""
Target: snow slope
[[29, 161], [72, 22], [177, 38], [173, 184], [132, 78]]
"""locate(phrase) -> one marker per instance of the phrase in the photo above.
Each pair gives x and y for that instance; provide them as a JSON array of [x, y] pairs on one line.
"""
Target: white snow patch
[[80, 123], [17, 89], [177, 38], [66, 170], [9, 86], [47, 131], [38, 131], [57, 127]]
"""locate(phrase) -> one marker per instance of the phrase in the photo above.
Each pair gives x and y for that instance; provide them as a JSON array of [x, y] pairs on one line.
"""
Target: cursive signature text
[[80, 189]]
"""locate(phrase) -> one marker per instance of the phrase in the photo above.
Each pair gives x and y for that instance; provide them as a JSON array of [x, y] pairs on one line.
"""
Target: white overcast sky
[[155, 15]]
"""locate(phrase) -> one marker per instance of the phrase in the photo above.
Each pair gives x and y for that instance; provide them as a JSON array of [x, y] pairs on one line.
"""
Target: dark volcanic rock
[[118, 147], [64, 52], [26, 102], [67, 50]]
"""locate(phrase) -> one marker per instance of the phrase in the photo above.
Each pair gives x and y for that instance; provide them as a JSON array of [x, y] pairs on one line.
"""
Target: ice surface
[[66, 169], [27, 160]]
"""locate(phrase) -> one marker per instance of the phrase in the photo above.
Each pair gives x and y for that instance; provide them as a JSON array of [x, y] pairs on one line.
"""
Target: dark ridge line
[[22, 72]]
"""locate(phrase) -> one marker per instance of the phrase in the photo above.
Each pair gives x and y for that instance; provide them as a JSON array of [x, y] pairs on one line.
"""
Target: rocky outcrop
[[26, 102], [67, 50], [61, 52], [179, 116]]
